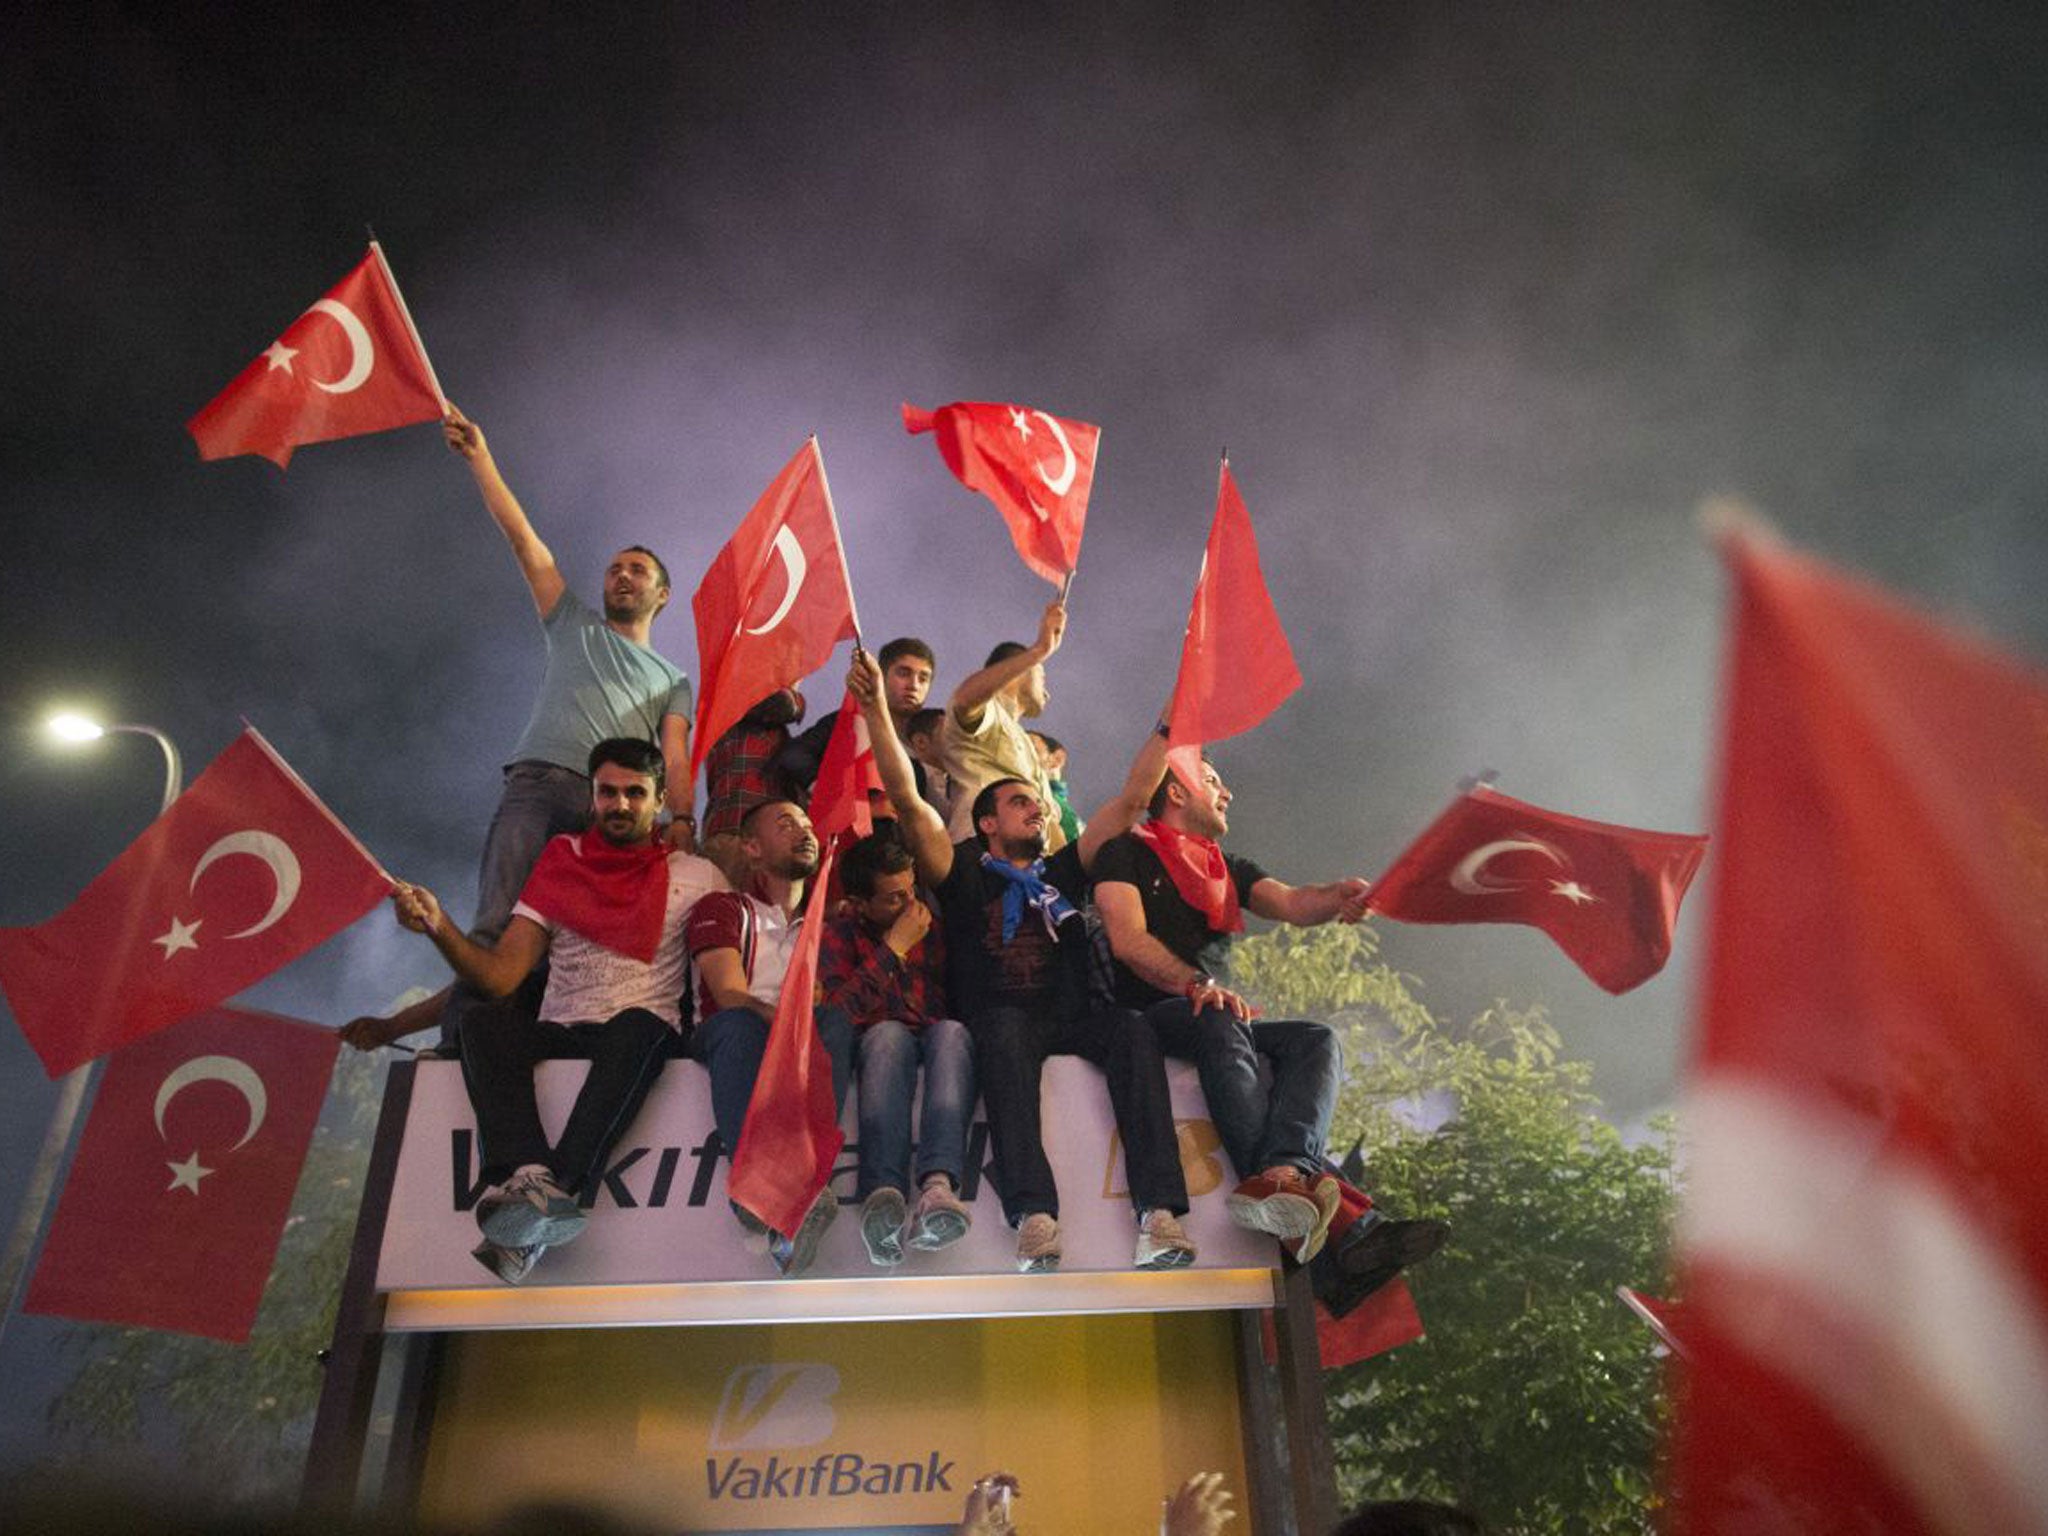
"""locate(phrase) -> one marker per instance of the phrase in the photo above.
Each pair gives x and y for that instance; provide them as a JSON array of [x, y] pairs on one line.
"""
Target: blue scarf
[[1027, 888]]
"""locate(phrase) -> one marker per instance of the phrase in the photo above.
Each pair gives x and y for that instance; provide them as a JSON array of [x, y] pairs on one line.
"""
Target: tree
[[1535, 1399], [238, 1416]]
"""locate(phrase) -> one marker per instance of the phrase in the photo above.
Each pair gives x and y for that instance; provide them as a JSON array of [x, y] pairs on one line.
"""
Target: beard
[[1030, 846], [798, 866], [622, 830]]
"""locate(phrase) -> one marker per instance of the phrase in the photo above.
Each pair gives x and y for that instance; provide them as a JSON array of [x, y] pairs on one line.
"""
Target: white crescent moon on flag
[[362, 356], [1470, 875], [794, 566], [1062, 482], [233, 1071], [274, 851]]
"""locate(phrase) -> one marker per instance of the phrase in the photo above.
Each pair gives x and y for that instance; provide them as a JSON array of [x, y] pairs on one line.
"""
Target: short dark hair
[[630, 753], [660, 568], [1005, 650], [1156, 807], [867, 861], [902, 646], [925, 721], [985, 802], [747, 816], [1409, 1517], [1052, 743]]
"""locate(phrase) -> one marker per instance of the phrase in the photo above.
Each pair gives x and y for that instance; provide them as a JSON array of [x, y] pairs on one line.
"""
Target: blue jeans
[[731, 1044], [886, 1057], [539, 800], [1287, 1126]]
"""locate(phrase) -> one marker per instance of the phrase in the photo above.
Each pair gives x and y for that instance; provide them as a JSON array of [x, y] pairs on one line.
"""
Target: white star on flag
[[1572, 892], [280, 356], [179, 937], [1021, 422], [186, 1175]]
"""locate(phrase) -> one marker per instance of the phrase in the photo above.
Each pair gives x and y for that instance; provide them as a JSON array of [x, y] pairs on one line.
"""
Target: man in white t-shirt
[[608, 908], [983, 740]]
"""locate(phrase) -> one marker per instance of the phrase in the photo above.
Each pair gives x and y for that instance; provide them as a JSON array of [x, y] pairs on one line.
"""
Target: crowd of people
[[982, 927]]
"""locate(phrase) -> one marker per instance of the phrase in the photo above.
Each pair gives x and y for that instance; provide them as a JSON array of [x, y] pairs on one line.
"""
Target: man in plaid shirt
[[883, 962]]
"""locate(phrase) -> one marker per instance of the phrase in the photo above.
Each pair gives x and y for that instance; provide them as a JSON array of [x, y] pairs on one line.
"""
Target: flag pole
[[1066, 586], [405, 313], [825, 484]]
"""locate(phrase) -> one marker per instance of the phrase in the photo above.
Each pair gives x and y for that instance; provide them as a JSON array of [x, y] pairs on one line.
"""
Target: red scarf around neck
[[615, 895], [1199, 872]]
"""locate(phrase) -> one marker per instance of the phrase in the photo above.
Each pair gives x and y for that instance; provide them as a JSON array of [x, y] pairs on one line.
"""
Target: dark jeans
[[1260, 1129], [625, 1053], [731, 1044], [538, 801], [1010, 1047]]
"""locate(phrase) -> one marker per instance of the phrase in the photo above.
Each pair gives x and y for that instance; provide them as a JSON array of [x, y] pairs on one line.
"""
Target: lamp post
[[73, 1086]]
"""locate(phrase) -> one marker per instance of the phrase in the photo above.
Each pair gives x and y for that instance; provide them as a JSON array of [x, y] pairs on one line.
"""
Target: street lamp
[[75, 730], [72, 1088]]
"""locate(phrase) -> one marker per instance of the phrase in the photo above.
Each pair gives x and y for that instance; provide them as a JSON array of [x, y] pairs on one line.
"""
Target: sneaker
[[792, 1255], [881, 1226], [1277, 1204], [1038, 1244], [1327, 1190], [1380, 1253], [941, 1216], [1161, 1242], [529, 1209], [510, 1265]]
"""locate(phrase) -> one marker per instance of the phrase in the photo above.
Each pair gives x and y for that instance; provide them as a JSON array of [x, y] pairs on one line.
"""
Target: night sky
[[1483, 300]]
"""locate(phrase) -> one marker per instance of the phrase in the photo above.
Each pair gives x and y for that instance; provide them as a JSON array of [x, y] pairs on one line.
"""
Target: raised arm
[[1118, 814], [923, 833], [536, 560], [1336, 901], [979, 687], [495, 971]]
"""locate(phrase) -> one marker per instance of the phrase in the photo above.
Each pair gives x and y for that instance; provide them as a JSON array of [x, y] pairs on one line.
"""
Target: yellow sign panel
[[826, 1427]]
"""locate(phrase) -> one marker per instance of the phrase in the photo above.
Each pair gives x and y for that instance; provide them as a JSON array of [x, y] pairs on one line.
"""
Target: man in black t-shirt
[[1017, 974], [1170, 900]]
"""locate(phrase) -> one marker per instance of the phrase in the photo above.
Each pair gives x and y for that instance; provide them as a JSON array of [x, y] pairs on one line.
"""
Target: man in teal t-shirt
[[603, 680]]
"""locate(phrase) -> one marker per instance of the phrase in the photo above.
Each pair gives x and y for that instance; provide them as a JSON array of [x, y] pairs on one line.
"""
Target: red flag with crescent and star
[[1607, 894], [349, 365], [846, 775], [791, 1136], [1236, 667], [243, 874], [1036, 467], [1863, 1232], [775, 601], [172, 1212]]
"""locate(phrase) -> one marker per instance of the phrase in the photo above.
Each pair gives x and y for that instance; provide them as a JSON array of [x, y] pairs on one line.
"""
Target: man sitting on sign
[[1017, 972], [607, 908], [1171, 900], [603, 679]]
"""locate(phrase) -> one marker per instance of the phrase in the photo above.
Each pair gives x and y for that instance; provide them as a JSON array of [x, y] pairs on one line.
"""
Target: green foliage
[[1535, 1398], [240, 1414]]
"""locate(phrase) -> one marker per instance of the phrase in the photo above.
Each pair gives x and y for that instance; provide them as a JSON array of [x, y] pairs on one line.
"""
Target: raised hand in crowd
[[988, 1506], [1199, 1507]]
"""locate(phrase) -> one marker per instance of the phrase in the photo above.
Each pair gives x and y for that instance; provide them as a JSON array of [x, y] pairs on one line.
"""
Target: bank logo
[[1201, 1162], [767, 1406]]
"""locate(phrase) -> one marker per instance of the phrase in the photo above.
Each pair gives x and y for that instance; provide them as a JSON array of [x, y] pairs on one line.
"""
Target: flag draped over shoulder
[[351, 364], [1863, 1238], [172, 1212], [839, 798], [1036, 467], [791, 1136], [775, 601], [243, 874], [1235, 664], [1608, 895]]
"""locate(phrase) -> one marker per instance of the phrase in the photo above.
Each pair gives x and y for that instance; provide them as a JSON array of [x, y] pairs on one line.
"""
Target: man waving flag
[[351, 364]]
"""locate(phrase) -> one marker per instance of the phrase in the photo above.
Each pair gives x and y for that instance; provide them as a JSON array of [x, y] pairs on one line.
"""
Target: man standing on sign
[[603, 680]]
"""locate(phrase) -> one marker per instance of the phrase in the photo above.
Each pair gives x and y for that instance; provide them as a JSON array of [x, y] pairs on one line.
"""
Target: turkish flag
[[177, 1198], [792, 1135], [243, 874], [351, 364], [1235, 663], [1385, 1320], [1863, 1236], [1037, 468], [1608, 895], [839, 798], [775, 601]]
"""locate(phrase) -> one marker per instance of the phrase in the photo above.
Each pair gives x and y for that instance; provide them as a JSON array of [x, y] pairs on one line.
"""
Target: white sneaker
[[529, 1210], [1162, 1244]]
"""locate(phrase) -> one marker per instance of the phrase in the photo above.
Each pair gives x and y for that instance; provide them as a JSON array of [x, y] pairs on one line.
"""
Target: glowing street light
[[76, 729]]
